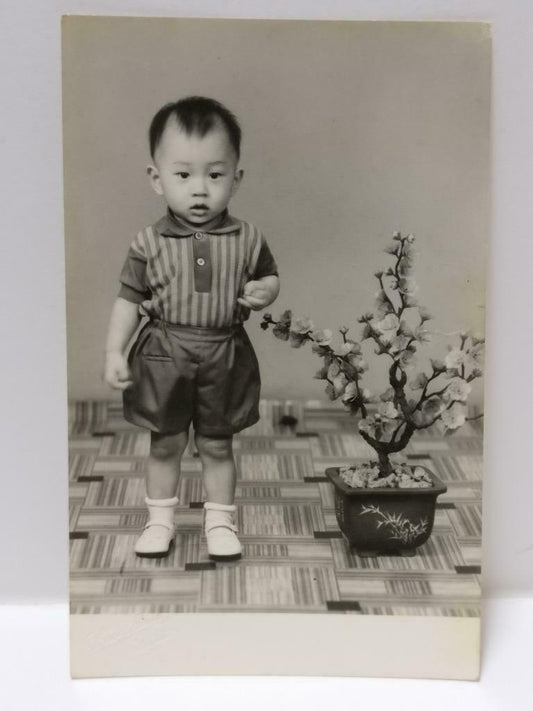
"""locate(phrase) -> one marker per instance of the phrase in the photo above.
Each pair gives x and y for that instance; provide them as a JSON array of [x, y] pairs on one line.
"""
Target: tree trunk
[[384, 449], [385, 467]]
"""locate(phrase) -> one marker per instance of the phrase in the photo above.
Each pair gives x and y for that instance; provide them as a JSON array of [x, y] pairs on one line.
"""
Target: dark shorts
[[184, 374]]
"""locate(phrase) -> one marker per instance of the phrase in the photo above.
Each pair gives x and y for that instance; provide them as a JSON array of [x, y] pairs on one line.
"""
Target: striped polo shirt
[[192, 276]]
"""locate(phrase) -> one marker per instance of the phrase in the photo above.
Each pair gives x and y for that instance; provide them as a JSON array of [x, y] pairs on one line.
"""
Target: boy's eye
[[183, 175], [215, 175]]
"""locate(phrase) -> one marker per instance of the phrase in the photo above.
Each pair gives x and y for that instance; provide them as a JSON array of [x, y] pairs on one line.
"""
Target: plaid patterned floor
[[294, 557]]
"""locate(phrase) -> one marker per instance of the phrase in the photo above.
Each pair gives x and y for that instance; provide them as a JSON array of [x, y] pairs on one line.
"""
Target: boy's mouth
[[200, 207]]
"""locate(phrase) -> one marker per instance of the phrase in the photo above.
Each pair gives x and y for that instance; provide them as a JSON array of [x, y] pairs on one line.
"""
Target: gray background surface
[[351, 131]]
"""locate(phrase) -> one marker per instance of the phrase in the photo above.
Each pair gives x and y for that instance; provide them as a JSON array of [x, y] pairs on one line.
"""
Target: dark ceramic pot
[[384, 521]]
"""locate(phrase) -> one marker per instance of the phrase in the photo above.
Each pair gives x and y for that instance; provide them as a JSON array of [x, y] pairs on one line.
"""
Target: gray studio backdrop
[[351, 131]]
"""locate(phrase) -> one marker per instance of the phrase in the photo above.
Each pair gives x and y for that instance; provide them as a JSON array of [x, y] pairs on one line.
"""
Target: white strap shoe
[[155, 541], [160, 531], [220, 532]]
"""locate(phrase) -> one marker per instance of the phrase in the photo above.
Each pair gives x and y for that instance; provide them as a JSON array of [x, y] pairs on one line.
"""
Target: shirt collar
[[173, 226]]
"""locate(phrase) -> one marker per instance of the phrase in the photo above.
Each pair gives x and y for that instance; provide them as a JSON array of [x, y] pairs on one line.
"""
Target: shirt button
[[200, 261], [198, 235]]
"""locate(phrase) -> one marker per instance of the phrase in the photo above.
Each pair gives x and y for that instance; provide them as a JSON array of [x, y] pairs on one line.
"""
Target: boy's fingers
[[254, 301], [254, 288], [251, 286], [119, 379], [121, 384]]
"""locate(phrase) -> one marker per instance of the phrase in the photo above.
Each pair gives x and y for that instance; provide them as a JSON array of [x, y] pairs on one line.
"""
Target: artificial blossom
[[416, 397]]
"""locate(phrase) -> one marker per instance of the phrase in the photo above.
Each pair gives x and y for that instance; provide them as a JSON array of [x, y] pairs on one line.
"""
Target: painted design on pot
[[402, 528]]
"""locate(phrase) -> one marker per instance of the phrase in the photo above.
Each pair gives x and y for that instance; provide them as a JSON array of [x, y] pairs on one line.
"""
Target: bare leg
[[216, 454], [219, 481], [164, 470]]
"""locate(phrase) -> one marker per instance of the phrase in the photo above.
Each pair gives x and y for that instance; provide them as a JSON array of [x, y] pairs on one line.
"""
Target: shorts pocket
[[154, 346], [154, 356]]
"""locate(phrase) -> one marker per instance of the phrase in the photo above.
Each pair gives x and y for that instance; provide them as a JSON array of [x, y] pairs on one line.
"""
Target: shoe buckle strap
[[158, 523], [229, 526]]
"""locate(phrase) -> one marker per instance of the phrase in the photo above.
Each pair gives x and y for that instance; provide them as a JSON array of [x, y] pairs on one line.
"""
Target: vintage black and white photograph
[[275, 237]]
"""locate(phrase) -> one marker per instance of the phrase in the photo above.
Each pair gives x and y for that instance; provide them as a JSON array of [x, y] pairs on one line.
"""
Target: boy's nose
[[199, 187]]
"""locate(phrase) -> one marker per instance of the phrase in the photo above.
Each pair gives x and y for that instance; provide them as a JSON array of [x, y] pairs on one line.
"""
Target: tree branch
[[397, 275], [398, 385]]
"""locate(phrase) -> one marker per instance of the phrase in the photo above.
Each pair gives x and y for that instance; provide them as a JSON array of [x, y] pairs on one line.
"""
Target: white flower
[[383, 304], [455, 359], [345, 348], [333, 370], [405, 266], [387, 395], [458, 389], [407, 359], [339, 383], [387, 409], [398, 344], [388, 327], [393, 283], [366, 425], [302, 325], [407, 285], [437, 365], [322, 338], [366, 395], [422, 334], [430, 411], [433, 406], [358, 362], [408, 249], [419, 381], [350, 391], [322, 374], [476, 354], [406, 329], [421, 419], [454, 417]]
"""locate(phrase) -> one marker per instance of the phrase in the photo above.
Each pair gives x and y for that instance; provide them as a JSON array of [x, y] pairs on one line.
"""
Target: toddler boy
[[195, 274]]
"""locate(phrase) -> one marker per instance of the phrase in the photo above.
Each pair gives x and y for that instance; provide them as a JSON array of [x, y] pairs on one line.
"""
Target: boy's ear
[[237, 180], [155, 180]]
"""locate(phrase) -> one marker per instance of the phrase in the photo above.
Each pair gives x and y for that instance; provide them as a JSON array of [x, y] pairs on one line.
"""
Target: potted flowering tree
[[386, 505]]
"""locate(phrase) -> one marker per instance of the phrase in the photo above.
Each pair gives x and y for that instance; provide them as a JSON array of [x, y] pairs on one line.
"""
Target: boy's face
[[196, 175]]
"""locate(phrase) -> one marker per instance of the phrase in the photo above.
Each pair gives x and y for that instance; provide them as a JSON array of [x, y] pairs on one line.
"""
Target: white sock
[[161, 511], [212, 506]]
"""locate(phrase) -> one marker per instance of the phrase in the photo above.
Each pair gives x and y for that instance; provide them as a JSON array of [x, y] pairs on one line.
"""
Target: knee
[[219, 448], [164, 446]]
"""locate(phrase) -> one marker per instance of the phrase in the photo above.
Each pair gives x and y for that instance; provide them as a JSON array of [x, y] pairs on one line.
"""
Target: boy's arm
[[260, 293], [122, 325], [263, 288]]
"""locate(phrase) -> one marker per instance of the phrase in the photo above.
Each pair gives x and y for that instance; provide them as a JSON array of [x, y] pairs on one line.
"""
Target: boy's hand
[[256, 295], [116, 371]]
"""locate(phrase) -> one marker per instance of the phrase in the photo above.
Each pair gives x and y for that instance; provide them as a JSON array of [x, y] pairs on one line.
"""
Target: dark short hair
[[195, 115]]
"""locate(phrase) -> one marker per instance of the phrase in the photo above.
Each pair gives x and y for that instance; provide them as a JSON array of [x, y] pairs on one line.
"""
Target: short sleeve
[[133, 286], [266, 264]]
